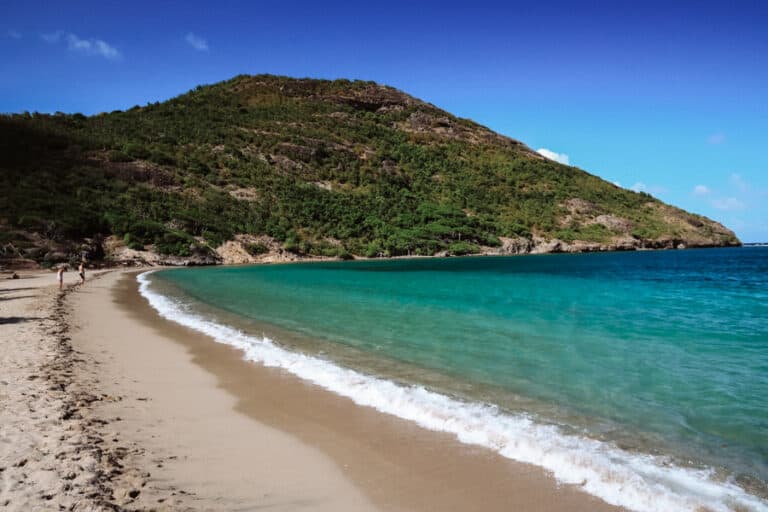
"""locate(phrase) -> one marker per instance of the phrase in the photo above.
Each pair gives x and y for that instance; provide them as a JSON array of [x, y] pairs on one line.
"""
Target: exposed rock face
[[688, 230], [249, 249], [245, 194], [443, 127], [118, 254], [614, 223], [245, 249], [510, 246], [32, 248], [581, 206], [374, 97], [539, 245]]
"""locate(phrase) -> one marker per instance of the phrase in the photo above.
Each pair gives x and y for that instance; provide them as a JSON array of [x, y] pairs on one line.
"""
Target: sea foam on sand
[[636, 481]]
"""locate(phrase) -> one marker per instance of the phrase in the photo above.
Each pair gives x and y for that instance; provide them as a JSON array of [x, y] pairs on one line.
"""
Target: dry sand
[[105, 405], [55, 452]]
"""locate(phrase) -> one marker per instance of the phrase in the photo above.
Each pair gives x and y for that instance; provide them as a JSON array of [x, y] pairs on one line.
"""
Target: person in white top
[[60, 277]]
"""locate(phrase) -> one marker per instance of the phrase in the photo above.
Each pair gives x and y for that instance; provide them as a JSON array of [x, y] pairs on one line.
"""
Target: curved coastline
[[631, 480], [396, 464]]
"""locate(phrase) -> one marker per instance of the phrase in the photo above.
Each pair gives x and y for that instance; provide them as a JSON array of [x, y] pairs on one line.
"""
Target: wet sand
[[253, 436], [107, 406]]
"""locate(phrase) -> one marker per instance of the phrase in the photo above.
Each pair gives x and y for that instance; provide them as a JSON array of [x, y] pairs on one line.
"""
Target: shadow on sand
[[17, 319]]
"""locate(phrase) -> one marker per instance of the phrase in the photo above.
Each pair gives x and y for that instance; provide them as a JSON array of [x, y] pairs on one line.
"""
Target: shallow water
[[654, 364]]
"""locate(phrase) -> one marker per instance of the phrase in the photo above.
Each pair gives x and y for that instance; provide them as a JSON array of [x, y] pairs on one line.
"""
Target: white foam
[[644, 483]]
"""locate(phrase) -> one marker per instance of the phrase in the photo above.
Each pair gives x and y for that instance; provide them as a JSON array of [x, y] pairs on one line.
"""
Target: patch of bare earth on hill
[[248, 194], [134, 171], [444, 127]]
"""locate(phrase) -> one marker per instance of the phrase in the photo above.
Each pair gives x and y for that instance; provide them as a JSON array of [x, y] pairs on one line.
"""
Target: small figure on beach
[[60, 276], [81, 271]]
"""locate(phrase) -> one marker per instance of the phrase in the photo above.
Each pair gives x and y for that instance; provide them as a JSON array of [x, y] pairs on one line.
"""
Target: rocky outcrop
[[249, 249], [117, 253], [510, 246], [31, 249], [539, 245], [245, 249]]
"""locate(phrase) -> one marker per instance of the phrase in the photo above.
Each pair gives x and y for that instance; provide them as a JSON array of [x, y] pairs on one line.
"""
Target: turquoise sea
[[642, 376]]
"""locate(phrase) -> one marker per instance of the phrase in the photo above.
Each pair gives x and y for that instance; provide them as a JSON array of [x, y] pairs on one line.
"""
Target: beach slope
[[110, 406]]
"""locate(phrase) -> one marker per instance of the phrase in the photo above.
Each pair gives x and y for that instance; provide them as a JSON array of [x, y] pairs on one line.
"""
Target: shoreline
[[273, 258], [397, 464], [165, 419], [131, 411], [643, 479]]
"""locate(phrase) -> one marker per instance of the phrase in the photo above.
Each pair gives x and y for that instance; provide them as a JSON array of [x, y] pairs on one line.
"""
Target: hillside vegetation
[[308, 167]]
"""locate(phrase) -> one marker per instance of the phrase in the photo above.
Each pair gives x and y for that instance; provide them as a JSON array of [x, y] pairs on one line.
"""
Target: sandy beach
[[105, 405]]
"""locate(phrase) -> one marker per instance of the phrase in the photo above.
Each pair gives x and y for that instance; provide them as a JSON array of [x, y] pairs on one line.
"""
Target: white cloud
[[737, 182], [557, 157], [617, 183], [701, 190], [728, 204], [13, 34], [95, 47], [196, 42], [92, 47], [716, 138], [642, 187]]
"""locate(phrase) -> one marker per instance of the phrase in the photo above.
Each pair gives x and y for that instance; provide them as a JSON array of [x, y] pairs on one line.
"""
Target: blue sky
[[670, 98]]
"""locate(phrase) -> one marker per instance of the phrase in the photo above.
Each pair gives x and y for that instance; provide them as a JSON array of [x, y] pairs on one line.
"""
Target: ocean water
[[640, 376]]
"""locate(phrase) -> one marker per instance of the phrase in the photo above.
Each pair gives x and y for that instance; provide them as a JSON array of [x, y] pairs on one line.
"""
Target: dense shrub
[[256, 249]]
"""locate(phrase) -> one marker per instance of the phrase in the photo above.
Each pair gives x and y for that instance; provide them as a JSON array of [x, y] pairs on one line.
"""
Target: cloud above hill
[[75, 44], [557, 157], [701, 190], [196, 42]]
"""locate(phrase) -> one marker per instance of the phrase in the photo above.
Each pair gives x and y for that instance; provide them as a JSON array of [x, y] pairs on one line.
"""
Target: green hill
[[309, 167]]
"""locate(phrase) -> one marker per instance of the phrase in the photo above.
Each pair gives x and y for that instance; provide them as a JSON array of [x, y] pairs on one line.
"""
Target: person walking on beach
[[60, 277], [81, 271]]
